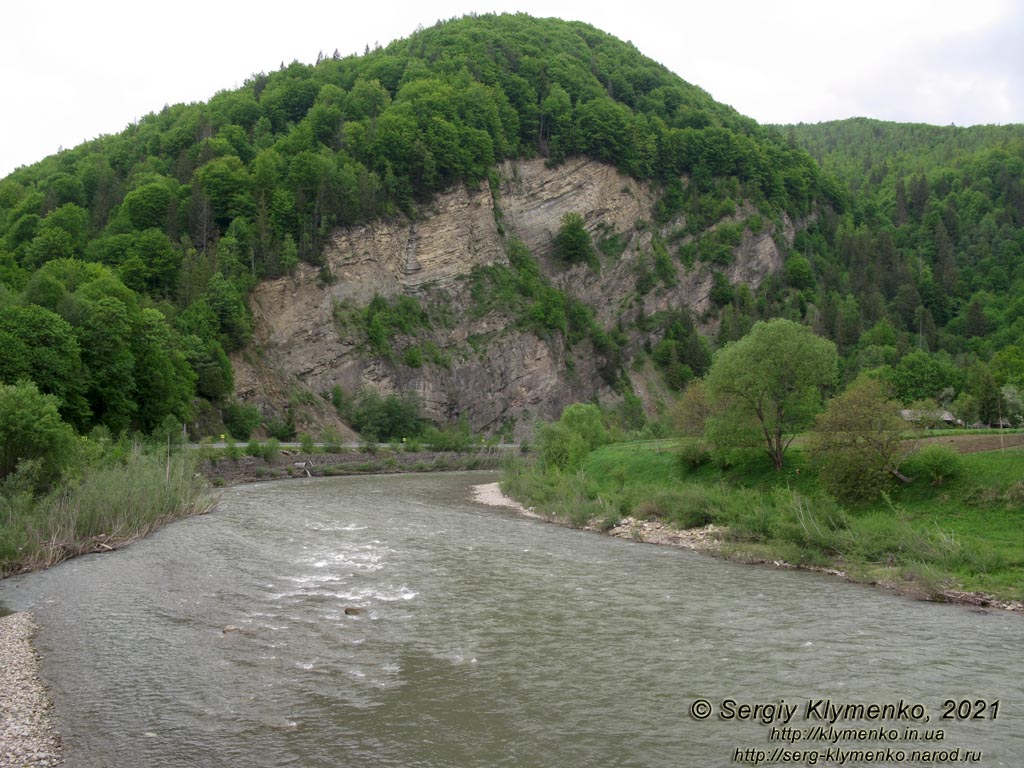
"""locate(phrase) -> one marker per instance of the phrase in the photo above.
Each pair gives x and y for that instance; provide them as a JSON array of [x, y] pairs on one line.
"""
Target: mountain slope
[[185, 213], [498, 199], [501, 330], [934, 238]]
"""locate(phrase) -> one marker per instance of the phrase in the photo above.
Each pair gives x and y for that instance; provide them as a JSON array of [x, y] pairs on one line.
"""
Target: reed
[[99, 508]]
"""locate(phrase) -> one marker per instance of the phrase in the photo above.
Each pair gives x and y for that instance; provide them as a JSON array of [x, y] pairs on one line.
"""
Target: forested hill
[[934, 244], [864, 152], [133, 253], [126, 262]]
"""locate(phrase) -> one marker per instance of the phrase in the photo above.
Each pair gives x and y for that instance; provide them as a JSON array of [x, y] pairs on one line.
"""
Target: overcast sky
[[72, 70]]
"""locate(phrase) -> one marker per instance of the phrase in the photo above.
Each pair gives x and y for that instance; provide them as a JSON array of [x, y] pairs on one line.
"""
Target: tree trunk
[[901, 477]]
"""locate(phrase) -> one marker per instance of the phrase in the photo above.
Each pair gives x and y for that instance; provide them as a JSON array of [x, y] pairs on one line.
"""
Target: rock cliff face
[[483, 367]]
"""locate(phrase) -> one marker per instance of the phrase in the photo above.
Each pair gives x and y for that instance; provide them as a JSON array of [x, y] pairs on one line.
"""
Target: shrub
[[586, 421], [572, 243], [857, 442], [853, 477], [939, 463], [385, 418], [342, 403], [693, 453], [413, 357], [561, 447], [281, 429], [331, 439], [241, 419], [169, 431], [457, 437]]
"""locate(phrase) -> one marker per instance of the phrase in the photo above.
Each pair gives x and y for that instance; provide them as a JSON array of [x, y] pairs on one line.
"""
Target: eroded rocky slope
[[481, 364]]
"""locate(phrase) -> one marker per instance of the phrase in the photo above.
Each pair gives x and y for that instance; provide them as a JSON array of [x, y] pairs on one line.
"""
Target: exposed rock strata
[[493, 373]]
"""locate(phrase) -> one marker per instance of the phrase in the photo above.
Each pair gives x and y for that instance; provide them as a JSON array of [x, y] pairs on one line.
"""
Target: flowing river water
[[474, 637]]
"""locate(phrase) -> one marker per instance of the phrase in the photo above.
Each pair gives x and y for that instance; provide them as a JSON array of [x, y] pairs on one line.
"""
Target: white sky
[[71, 70]]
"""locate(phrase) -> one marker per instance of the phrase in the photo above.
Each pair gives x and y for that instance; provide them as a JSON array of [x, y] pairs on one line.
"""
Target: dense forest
[[923, 277], [125, 262]]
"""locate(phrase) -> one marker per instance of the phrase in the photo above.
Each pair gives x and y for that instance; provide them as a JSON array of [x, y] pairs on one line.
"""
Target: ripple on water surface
[[393, 622]]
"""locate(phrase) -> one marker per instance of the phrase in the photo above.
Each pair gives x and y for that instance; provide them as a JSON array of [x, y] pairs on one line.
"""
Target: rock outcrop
[[488, 370]]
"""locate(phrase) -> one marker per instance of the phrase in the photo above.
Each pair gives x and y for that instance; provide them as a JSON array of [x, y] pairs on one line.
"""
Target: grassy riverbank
[[929, 539], [114, 499]]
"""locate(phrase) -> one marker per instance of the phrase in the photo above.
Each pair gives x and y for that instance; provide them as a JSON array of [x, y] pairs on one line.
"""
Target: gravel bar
[[27, 736]]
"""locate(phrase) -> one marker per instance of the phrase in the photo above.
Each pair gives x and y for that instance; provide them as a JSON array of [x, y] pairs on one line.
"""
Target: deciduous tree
[[31, 430], [858, 440], [767, 386], [40, 346]]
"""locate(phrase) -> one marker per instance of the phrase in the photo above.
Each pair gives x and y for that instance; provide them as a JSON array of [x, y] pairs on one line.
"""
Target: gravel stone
[[28, 738]]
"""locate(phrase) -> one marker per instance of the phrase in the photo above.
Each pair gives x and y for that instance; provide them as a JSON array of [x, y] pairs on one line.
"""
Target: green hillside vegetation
[[918, 254], [125, 262], [790, 467], [62, 495], [923, 276], [177, 217]]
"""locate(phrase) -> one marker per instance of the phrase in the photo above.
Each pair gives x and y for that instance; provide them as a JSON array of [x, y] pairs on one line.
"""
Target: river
[[393, 621]]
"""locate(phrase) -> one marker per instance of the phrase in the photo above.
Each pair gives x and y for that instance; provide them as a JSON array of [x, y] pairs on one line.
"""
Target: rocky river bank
[[28, 738]]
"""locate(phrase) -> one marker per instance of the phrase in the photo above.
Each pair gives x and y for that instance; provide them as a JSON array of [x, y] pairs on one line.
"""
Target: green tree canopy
[[229, 309], [585, 420], [105, 336], [39, 346], [163, 378], [798, 272], [858, 440], [560, 448], [31, 430], [920, 376], [767, 386], [572, 243], [147, 206]]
